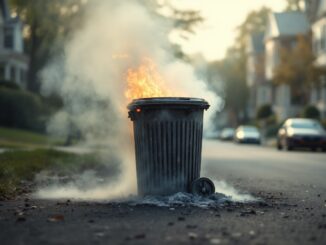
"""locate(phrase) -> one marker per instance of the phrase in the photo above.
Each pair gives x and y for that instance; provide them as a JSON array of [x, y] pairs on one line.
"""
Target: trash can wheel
[[202, 187]]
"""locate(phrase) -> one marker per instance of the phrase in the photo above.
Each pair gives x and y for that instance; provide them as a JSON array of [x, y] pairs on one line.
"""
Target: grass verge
[[17, 138], [19, 166]]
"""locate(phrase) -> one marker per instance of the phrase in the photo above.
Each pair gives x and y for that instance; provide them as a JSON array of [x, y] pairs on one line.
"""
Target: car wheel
[[279, 146], [289, 148]]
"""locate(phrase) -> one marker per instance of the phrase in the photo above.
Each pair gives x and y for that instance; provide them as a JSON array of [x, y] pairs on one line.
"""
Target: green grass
[[18, 165], [17, 138]]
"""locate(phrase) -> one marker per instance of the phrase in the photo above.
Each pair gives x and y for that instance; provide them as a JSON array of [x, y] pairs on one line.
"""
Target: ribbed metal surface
[[168, 153]]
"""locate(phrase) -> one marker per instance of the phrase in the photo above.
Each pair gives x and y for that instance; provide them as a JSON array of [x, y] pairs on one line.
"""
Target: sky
[[222, 17]]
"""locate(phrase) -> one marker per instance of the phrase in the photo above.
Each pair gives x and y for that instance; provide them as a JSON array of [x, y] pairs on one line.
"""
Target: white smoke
[[91, 80], [230, 191]]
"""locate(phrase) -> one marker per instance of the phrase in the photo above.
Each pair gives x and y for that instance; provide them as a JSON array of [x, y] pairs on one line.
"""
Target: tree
[[255, 22], [294, 5], [264, 112], [296, 68], [312, 112], [235, 90], [233, 68], [49, 23]]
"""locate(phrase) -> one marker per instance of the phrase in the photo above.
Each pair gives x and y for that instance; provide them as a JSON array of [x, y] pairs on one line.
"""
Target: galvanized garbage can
[[168, 142]]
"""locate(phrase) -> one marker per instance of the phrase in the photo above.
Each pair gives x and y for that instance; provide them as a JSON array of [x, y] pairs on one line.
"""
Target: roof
[[287, 24]]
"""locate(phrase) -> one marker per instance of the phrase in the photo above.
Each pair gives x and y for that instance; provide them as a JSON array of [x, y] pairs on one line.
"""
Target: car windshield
[[249, 129], [306, 125]]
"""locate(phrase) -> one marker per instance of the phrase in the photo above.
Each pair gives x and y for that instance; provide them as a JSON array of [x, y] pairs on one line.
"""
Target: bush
[[9, 84], [264, 112], [22, 109], [20, 166], [312, 112]]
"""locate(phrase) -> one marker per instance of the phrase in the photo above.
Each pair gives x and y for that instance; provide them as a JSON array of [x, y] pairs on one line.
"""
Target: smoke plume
[[90, 78]]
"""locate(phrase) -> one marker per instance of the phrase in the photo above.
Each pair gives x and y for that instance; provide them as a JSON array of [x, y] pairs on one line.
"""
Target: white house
[[13, 61], [318, 18], [282, 32]]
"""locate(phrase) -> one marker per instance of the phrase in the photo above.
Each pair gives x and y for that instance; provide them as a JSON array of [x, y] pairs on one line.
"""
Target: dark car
[[227, 134], [247, 134], [301, 133]]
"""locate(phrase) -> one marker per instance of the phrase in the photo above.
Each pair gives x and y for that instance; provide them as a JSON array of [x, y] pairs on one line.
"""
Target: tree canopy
[[294, 5], [233, 67], [296, 64], [48, 23]]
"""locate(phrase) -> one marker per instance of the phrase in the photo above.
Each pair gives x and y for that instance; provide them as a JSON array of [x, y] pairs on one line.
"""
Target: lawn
[[18, 166], [17, 138]]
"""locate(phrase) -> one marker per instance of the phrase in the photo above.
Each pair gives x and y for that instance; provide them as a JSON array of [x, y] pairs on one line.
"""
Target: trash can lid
[[169, 101]]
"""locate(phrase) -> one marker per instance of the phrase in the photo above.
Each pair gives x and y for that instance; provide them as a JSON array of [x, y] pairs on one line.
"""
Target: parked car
[[301, 133], [247, 134], [227, 134]]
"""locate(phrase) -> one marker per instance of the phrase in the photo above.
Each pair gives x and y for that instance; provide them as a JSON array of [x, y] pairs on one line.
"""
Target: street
[[292, 186], [264, 167]]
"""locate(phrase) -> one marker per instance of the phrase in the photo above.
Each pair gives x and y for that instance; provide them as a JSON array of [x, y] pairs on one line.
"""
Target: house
[[259, 89], [311, 8], [13, 61], [282, 33], [318, 22]]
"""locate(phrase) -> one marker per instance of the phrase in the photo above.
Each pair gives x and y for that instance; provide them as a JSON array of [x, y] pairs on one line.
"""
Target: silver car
[[227, 134], [301, 133], [247, 134]]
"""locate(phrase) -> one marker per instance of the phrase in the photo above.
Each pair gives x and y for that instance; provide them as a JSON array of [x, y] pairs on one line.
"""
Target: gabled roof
[[287, 24]]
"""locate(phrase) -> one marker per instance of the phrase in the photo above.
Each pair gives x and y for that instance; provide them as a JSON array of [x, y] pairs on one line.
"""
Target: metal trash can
[[168, 142]]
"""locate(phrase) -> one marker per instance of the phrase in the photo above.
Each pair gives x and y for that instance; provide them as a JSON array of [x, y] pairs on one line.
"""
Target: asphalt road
[[256, 167], [292, 185]]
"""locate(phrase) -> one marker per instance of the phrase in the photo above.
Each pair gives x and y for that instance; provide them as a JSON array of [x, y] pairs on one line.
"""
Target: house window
[[8, 38]]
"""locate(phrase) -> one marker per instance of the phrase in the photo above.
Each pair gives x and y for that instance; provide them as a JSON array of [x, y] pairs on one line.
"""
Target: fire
[[145, 82]]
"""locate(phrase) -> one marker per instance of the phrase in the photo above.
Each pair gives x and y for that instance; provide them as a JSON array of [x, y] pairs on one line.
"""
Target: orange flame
[[145, 82]]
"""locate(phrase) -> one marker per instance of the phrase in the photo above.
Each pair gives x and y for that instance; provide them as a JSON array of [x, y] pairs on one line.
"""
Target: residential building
[[282, 33], [318, 92], [13, 61]]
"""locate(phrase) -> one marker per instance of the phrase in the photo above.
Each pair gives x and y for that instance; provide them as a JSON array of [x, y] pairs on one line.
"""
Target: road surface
[[292, 185]]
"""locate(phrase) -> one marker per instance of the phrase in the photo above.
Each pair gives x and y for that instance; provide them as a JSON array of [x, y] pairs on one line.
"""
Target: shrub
[[264, 112], [312, 112], [21, 109], [9, 84]]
